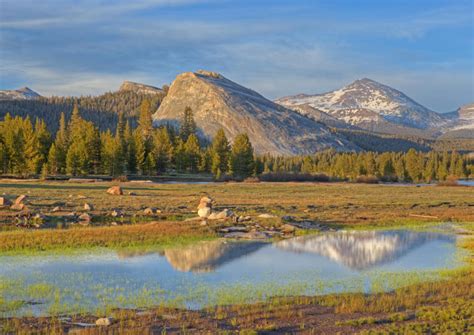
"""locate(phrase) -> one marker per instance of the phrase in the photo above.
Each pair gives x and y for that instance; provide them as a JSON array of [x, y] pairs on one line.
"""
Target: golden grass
[[159, 233]]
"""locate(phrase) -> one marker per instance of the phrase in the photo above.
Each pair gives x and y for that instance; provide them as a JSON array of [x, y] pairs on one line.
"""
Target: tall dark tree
[[188, 125], [220, 152], [242, 164]]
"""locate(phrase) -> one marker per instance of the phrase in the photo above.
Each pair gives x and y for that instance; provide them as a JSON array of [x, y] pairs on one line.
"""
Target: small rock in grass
[[116, 212], [149, 211], [85, 218], [287, 229], [81, 196], [103, 322], [132, 193], [267, 216], [56, 209], [18, 207], [4, 202], [21, 199], [115, 190], [204, 212], [88, 207]]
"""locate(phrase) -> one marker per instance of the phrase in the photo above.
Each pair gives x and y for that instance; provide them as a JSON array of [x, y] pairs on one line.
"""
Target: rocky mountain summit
[[139, 88], [23, 93], [370, 105], [218, 102]]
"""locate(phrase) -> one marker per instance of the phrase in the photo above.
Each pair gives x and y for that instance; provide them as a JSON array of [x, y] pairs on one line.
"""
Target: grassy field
[[444, 306]]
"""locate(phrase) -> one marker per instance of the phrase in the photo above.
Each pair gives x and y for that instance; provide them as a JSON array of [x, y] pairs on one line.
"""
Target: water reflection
[[208, 256], [362, 250]]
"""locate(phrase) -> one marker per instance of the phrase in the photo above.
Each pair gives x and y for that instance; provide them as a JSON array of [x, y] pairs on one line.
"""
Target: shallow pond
[[222, 272]]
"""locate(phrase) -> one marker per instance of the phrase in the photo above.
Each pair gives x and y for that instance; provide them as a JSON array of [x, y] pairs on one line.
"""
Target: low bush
[[287, 176]]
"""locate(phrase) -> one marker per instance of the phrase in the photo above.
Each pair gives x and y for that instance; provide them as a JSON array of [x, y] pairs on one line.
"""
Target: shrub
[[367, 180], [287, 176]]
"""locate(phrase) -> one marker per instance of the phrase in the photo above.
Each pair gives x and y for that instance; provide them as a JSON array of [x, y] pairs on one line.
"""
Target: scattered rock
[[116, 212], [4, 202], [103, 322], [267, 216], [254, 235], [205, 202], [115, 190], [226, 213], [18, 207], [287, 229], [85, 218], [56, 209], [234, 229], [204, 212], [20, 200], [203, 223], [88, 207], [243, 218], [149, 211], [132, 193]]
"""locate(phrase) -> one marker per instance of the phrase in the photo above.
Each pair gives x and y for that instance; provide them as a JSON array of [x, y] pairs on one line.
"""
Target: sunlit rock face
[[218, 102], [208, 256], [361, 250]]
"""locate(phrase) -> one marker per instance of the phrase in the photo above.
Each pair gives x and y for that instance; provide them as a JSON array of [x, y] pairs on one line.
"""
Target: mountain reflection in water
[[361, 250], [208, 256]]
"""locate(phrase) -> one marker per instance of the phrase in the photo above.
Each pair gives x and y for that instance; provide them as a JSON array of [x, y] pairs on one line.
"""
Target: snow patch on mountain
[[24, 93], [366, 100]]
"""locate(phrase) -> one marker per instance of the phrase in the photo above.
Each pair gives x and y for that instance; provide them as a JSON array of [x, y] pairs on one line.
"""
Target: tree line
[[80, 147]]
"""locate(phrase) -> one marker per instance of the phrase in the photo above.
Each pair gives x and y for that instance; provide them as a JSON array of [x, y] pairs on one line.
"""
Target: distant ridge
[[139, 88], [23, 93], [373, 106]]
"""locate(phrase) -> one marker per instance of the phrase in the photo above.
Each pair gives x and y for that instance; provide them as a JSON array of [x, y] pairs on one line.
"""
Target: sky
[[425, 48]]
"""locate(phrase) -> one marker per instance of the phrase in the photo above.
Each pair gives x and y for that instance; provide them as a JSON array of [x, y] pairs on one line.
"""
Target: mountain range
[[301, 124], [372, 106]]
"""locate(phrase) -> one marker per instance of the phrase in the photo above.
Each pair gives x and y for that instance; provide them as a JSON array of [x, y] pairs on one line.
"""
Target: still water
[[220, 272]]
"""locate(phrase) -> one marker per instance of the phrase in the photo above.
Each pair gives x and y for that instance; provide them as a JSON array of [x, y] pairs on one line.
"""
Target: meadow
[[436, 302]]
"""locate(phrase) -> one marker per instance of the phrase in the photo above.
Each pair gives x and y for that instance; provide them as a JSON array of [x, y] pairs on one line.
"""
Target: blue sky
[[424, 48]]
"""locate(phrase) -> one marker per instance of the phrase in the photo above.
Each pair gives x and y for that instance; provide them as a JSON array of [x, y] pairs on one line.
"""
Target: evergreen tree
[[414, 165], [242, 164], [32, 152], [61, 145], [193, 153], [163, 149], [220, 152], [145, 120], [188, 125]]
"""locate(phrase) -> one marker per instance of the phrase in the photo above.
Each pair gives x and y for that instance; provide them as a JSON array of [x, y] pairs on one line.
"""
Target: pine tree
[[61, 143], [145, 120], [188, 125], [163, 149], [180, 156], [53, 164], [242, 164], [140, 151], [220, 152], [32, 149], [131, 149], [193, 152], [414, 165]]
